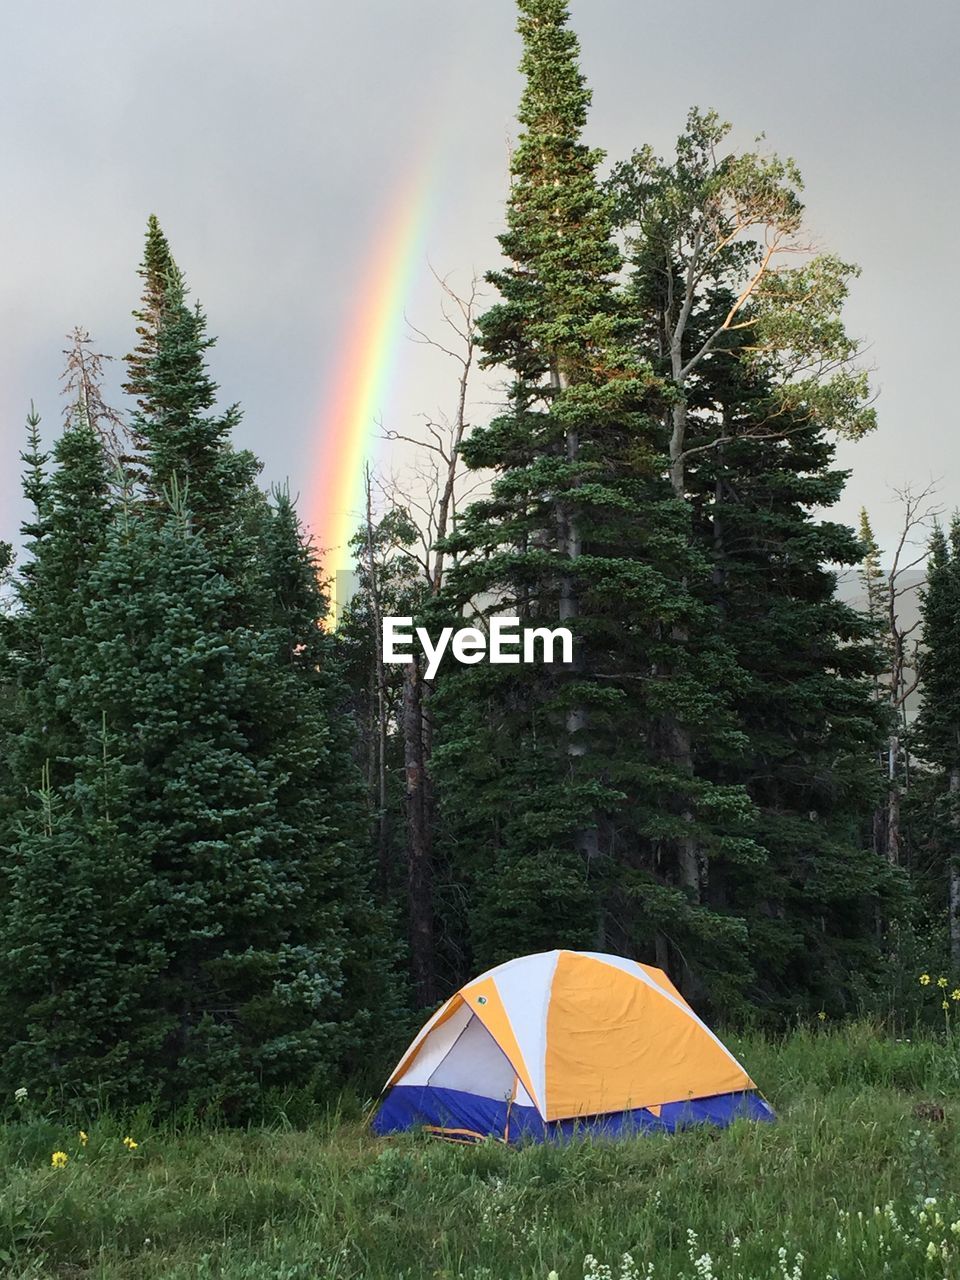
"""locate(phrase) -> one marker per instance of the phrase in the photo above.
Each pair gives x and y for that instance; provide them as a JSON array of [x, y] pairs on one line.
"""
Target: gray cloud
[[270, 138]]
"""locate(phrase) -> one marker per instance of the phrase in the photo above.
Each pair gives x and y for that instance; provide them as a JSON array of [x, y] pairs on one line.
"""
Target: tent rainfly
[[565, 1042]]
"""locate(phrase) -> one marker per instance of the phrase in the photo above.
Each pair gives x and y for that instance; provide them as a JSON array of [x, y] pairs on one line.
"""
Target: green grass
[[277, 1203]]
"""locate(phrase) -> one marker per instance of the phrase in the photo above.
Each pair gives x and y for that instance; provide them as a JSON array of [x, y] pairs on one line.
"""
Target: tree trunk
[[677, 437], [691, 864], [376, 618], [719, 573], [419, 863], [880, 826], [586, 839], [690, 861], [893, 802]]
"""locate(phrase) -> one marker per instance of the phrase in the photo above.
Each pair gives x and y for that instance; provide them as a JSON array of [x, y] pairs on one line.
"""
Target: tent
[[565, 1042]]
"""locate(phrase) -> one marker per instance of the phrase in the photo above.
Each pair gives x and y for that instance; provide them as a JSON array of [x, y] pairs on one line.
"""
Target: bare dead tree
[[82, 383], [438, 472], [903, 581], [429, 494]]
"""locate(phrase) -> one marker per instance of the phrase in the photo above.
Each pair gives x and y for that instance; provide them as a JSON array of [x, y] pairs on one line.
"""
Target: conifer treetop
[[558, 289], [556, 91], [156, 271]]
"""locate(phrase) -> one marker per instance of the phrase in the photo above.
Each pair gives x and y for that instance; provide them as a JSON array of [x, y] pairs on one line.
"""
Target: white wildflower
[[628, 1268], [703, 1266], [691, 1244], [594, 1270]]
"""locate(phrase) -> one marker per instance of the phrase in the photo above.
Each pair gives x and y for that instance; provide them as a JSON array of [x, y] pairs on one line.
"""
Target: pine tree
[[75, 946], [64, 537], [807, 707], [557, 301], [871, 575], [315, 750], [873, 582], [760, 369], [180, 437], [7, 689], [191, 697], [21, 662], [157, 271], [179, 700], [79, 956], [562, 784], [938, 721]]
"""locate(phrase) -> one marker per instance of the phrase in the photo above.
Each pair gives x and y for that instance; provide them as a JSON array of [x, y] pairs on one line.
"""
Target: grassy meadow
[[860, 1177]]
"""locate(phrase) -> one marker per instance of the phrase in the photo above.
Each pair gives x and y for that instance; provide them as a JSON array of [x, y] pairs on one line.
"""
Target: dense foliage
[[185, 886]]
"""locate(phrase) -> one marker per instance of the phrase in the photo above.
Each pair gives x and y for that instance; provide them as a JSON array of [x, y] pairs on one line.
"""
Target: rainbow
[[364, 371]]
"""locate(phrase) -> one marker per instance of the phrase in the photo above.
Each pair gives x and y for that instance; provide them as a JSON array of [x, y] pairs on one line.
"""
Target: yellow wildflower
[[822, 1016], [945, 1004], [955, 993], [84, 1138], [59, 1159], [924, 979], [130, 1144], [941, 982]]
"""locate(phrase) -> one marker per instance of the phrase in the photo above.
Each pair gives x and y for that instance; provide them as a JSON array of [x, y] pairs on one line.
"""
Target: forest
[[241, 854]]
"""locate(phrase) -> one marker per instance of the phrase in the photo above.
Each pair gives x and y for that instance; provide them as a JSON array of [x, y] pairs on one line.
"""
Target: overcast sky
[[270, 139]]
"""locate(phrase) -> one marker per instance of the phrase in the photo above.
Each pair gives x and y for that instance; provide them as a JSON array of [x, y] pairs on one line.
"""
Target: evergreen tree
[[7, 690], [760, 370], [20, 646], [79, 955], [75, 946], [243, 899], [316, 747], [871, 575], [807, 707], [938, 721], [199, 801], [180, 435], [157, 271], [573, 816], [65, 535]]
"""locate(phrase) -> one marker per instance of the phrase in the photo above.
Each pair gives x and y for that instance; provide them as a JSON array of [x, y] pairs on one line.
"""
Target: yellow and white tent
[[566, 1041]]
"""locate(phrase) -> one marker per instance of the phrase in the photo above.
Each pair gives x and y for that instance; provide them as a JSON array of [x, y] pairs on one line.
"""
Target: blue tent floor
[[451, 1113]]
